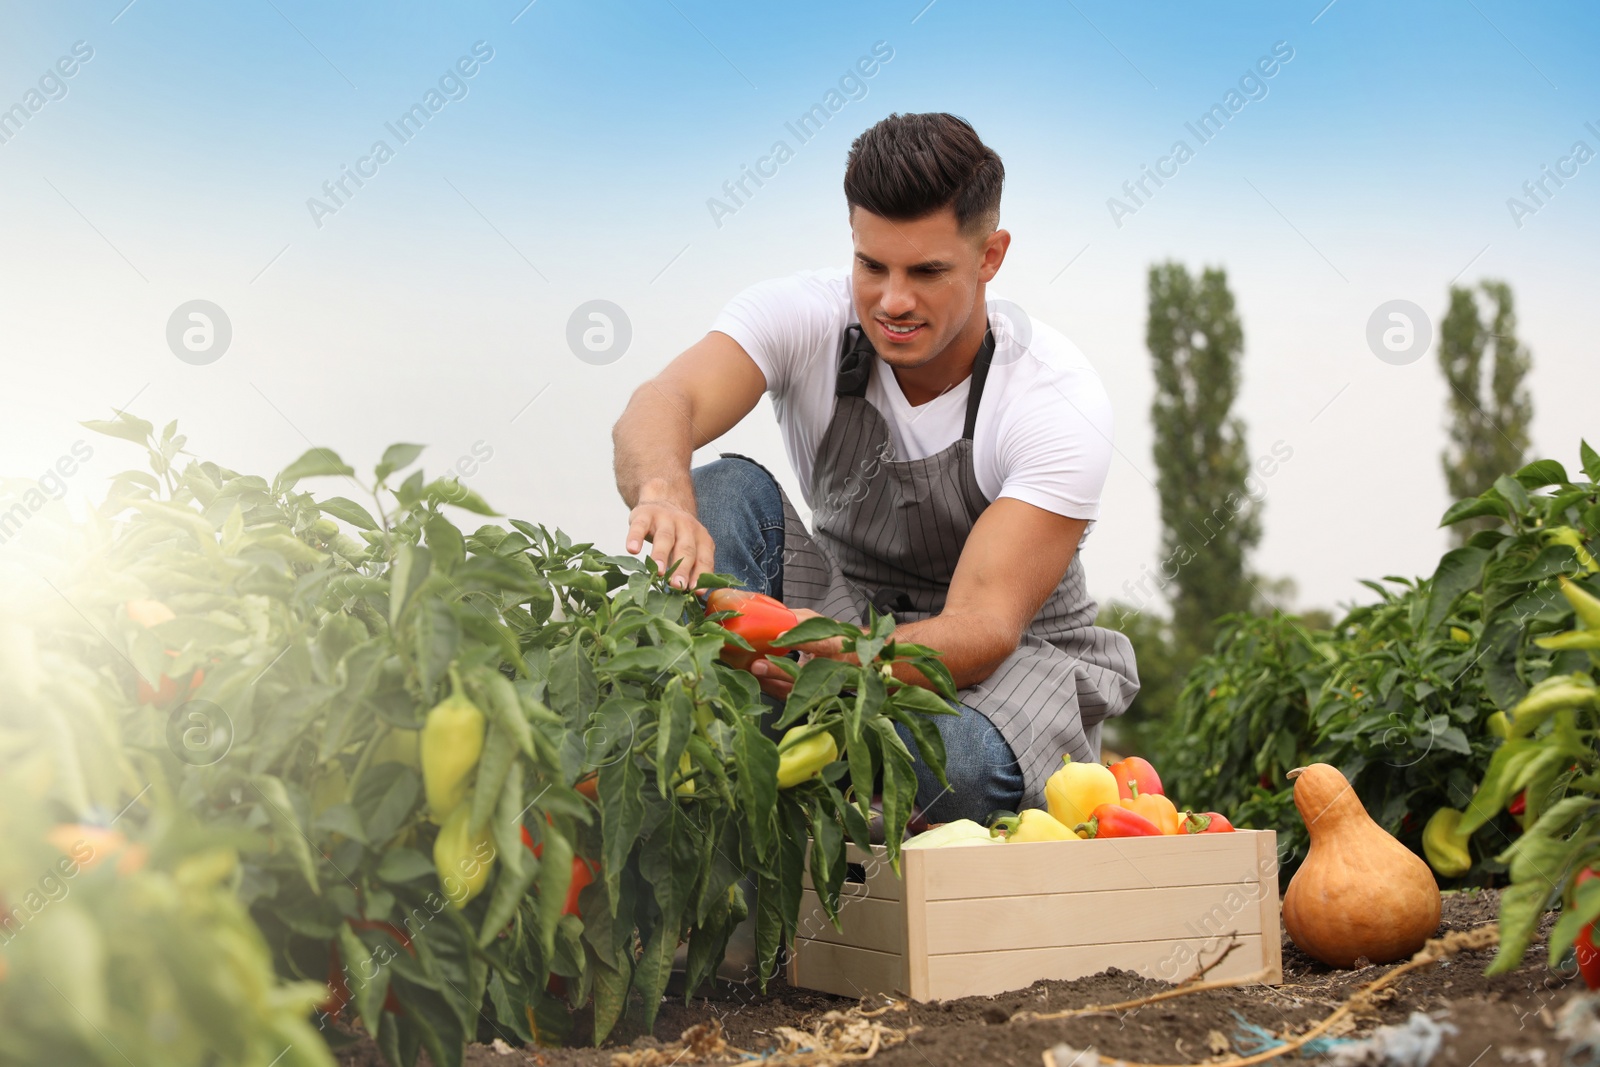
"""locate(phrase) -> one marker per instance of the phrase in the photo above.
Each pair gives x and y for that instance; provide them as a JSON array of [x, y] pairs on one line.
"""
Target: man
[[952, 453]]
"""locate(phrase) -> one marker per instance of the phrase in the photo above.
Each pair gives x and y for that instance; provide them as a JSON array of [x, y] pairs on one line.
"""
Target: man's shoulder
[[1036, 355], [824, 284]]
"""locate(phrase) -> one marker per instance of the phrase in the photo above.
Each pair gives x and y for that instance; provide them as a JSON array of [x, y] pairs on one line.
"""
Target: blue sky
[[433, 304]]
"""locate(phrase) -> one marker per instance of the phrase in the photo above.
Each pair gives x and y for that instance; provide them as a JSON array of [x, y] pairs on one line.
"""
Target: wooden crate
[[980, 920]]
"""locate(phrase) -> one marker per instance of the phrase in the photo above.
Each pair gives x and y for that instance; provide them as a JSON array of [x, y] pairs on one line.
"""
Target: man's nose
[[898, 300]]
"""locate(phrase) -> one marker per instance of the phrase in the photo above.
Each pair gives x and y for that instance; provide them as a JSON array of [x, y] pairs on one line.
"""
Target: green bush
[[1399, 693]]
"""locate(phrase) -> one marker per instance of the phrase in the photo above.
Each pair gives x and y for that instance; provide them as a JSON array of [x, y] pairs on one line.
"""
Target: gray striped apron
[[889, 532]]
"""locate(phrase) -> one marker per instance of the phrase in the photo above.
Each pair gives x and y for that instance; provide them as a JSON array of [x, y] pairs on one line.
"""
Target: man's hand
[[675, 534], [774, 682], [698, 397]]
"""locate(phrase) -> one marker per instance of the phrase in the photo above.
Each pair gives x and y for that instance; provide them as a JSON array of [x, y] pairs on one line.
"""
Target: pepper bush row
[[1408, 696], [223, 666]]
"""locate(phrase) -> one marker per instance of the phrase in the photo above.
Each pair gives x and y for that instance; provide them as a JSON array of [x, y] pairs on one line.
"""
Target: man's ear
[[993, 254]]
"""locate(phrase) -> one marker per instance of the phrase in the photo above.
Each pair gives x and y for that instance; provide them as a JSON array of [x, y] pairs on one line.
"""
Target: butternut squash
[[1359, 892]]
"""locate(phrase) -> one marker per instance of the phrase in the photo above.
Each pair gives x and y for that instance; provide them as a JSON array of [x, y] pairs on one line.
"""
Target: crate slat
[[845, 971], [977, 974], [1114, 915], [867, 923], [880, 879], [1271, 908], [1057, 867]]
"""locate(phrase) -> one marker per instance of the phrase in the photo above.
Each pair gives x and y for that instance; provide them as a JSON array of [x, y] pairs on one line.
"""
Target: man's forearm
[[970, 646], [654, 446]]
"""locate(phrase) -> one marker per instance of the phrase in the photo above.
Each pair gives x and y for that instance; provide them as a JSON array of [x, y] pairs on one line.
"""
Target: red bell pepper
[[1138, 771], [1112, 820], [759, 621], [1206, 823], [1519, 803], [1583, 946], [582, 875], [339, 989]]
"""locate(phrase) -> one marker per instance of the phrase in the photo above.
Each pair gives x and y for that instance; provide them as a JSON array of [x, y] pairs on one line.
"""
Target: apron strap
[[980, 375], [857, 356]]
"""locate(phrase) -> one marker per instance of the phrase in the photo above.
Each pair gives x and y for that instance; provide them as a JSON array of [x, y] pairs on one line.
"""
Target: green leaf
[[819, 680], [1542, 472], [445, 542], [708, 945], [756, 757], [1590, 460], [438, 636], [1513, 493], [124, 426], [935, 671], [397, 457], [610, 997], [650, 974], [1584, 910], [454, 492], [1520, 909], [504, 706], [404, 865], [411, 566], [573, 690], [621, 788], [1474, 507], [1461, 569], [410, 492], [349, 511], [819, 628], [555, 878], [368, 981], [493, 766], [341, 819], [672, 732], [385, 797], [505, 1012], [899, 788], [439, 1024], [515, 857], [510, 889], [930, 742], [1496, 789], [317, 463], [291, 835], [827, 860]]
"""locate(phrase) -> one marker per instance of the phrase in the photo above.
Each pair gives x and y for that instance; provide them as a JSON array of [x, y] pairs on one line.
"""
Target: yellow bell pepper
[[1073, 792], [1566, 535], [451, 742], [1445, 848], [1155, 807], [1035, 824], [1584, 603]]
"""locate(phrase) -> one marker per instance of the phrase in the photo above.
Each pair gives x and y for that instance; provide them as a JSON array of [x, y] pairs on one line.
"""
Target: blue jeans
[[740, 506]]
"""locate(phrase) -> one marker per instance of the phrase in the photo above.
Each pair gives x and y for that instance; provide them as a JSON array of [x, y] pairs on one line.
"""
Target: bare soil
[[1507, 1019]]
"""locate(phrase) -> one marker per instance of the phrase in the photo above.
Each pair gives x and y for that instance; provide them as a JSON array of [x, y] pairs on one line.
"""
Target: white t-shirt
[[1043, 433]]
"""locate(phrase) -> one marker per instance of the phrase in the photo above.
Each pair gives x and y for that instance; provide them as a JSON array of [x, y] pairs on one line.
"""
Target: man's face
[[916, 283]]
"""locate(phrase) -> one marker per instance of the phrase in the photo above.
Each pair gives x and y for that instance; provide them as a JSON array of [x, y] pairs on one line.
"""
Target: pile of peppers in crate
[[1085, 801]]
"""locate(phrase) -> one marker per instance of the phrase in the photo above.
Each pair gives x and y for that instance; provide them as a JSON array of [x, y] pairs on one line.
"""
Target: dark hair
[[910, 166]]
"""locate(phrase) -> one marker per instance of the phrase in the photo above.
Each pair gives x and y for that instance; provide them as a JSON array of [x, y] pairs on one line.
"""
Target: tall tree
[[1210, 523], [1490, 410]]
